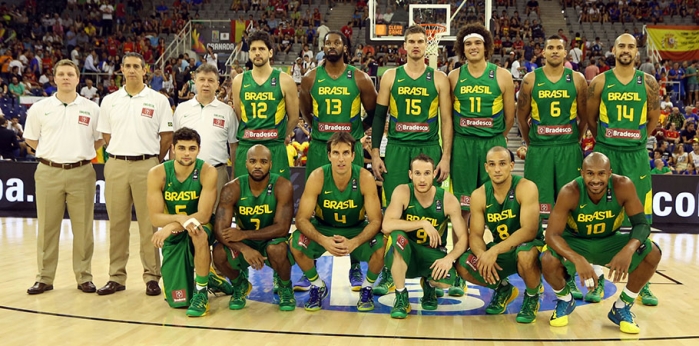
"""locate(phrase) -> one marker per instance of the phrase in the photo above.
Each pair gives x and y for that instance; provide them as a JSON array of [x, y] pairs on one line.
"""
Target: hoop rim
[[434, 29]]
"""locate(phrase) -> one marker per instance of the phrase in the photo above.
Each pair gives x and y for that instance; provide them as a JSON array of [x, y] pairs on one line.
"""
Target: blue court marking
[[342, 298]]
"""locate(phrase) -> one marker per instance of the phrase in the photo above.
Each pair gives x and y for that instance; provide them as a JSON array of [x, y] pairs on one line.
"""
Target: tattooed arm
[[581, 100], [594, 95], [653, 102], [524, 105]]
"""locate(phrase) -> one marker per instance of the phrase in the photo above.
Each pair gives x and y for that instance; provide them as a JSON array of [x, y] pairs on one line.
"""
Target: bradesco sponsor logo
[[476, 122], [622, 133], [412, 127], [685, 204], [334, 127], [260, 134], [555, 130]]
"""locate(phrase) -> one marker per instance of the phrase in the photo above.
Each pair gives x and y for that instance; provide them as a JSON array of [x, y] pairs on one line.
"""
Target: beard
[[333, 58], [260, 64], [263, 177]]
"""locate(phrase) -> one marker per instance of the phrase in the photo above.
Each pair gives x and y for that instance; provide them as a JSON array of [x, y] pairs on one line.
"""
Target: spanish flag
[[238, 27]]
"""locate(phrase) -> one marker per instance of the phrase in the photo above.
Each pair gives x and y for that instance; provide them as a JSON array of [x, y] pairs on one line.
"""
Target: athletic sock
[[626, 298], [563, 294], [313, 277], [202, 282], [532, 291], [598, 270], [400, 290], [370, 278], [285, 283]]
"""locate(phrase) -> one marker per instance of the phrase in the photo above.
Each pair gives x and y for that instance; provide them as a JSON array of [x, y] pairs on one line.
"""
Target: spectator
[[690, 170], [648, 67], [9, 145], [676, 117], [680, 158], [687, 135], [301, 132], [210, 57], [89, 91], [660, 168], [671, 134], [591, 70], [16, 90], [156, 80], [692, 83], [90, 59]]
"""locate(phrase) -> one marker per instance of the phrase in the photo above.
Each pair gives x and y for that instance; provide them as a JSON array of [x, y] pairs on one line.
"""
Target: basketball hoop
[[434, 34]]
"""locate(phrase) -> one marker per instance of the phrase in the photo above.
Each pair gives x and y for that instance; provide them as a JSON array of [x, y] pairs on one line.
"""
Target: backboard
[[402, 17]]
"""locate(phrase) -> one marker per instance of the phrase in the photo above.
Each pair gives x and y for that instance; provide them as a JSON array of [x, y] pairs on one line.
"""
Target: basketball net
[[434, 34]]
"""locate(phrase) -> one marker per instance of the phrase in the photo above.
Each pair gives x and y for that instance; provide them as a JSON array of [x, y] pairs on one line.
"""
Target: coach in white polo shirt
[[63, 130], [213, 120], [136, 123]]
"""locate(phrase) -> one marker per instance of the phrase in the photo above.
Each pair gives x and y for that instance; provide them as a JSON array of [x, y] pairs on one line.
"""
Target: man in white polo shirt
[[63, 130], [213, 120], [136, 123], [89, 91]]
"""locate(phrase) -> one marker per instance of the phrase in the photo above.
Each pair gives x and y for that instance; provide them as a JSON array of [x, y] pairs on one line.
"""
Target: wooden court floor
[[67, 316]]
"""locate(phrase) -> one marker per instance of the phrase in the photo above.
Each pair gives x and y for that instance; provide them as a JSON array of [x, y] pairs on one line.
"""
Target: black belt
[[219, 165], [65, 165], [132, 158]]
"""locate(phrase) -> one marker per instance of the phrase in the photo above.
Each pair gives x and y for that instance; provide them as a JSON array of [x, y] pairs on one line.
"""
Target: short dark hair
[[261, 36], [207, 68], [475, 28], [422, 157], [553, 37], [336, 32], [134, 55], [341, 137], [414, 29], [186, 134]]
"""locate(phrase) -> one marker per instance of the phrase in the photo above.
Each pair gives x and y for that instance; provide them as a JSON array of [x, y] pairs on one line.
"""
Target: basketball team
[[438, 127]]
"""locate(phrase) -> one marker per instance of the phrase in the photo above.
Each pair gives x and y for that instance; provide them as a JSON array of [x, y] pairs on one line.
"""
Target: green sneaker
[[574, 290], [219, 284], [199, 305], [429, 296], [276, 282], [287, 301], [401, 305], [530, 306], [240, 291], [457, 290], [503, 296], [595, 295], [385, 285], [646, 296]]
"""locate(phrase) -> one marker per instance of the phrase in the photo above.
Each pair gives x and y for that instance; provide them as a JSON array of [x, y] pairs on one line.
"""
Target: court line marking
[[362, 336]]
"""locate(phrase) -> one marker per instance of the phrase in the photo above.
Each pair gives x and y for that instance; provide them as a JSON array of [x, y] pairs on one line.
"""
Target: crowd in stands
[[628, 11]]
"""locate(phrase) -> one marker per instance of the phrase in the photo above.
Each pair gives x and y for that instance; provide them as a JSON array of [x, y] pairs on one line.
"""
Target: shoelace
[[626, 314], [561, 308], [366, 294], [400, 302], [314, 294], [285, 293], [530, 302], [198, 300]]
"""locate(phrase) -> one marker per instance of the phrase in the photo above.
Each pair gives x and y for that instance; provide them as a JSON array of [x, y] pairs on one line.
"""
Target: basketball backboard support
[[387, 32]]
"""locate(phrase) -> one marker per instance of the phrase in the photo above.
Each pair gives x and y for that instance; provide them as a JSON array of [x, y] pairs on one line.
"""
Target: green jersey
[[502, 219], [182, 197], [337, 105], [478, 106], [256, 212], [623, 112], [434, 214], [263, 110], [691, 70], [590, 220], [554, 109], [340, 209], [414, 108]]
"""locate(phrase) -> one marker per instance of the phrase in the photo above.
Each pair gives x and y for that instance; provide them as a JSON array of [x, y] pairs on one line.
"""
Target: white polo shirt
[[66, 133], [135, 121], [216, 124]]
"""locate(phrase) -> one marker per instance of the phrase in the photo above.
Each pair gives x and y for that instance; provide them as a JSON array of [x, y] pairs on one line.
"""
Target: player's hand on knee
[[254, 258], [440, 268], [587, 275], [334, 247], [619, 266], [233, 234], [488, 267], [158, 238]]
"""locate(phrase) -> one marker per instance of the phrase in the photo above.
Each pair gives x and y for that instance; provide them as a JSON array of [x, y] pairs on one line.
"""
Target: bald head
[[260, 151], [596, 160], [498, 149], [627, 38]]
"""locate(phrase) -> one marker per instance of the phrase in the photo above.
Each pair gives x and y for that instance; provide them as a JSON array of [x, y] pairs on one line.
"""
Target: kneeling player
[[263, 207], [509, 206], [340, 193], [583, 228], [416, 222], [181, 196]]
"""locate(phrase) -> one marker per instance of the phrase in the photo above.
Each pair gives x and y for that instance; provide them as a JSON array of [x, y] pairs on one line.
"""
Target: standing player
[[262, 204], [343, 201], [332, 96], [623, 104], [584, 227], [483, 111], [509, 206], [213, 120], [136, 123], [416, 222], [553, 99], [418, 102], [181, 196], [267, 105], [63, 130]]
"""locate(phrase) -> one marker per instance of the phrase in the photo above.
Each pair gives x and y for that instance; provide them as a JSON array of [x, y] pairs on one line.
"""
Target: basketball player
[[418, 102], [267, 105], [341, 196], [509, 206], [181, 196], [263, 207], [583, 228], [483, 108], [331, 100], [213, 120], [416, 222], [63, 131], [623, 104], [553, 99]]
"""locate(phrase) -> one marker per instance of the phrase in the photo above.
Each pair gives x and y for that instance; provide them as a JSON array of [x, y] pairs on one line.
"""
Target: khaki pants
[[56, 188], [125, 185]]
